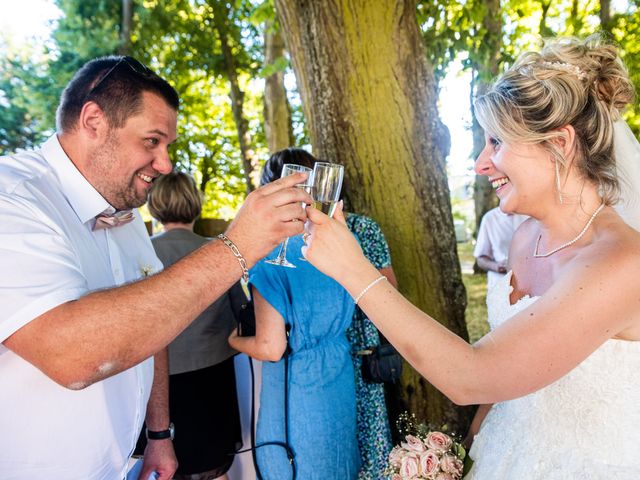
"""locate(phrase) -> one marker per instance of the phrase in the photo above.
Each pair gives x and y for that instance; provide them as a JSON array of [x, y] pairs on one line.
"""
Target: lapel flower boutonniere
[[146, 270]]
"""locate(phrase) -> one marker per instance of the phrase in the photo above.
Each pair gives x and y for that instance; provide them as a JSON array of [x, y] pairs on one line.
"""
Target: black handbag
[[242, 308], [381, 364]]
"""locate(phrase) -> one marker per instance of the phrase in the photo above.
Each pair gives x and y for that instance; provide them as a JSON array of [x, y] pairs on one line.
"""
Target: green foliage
[[279, 65], [18, 127], [625, 29], [31, 81], [179, 40]]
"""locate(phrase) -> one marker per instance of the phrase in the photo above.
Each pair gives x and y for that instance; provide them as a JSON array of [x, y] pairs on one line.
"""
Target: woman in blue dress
[[321, 390]]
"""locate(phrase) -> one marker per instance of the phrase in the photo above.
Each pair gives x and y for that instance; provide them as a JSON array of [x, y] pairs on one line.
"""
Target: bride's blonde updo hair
[[570, 81]]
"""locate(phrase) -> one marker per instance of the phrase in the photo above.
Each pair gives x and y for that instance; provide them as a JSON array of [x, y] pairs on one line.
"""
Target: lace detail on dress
[[584, 426]]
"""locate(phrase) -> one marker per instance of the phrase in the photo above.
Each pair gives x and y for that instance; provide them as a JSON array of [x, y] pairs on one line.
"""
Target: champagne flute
[[325, 187], [289, 169], [327, 183]]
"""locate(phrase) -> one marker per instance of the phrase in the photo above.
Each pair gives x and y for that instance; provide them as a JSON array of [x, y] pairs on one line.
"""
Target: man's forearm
[[158, 417], [159, 455], [106, 332], [487, 264]]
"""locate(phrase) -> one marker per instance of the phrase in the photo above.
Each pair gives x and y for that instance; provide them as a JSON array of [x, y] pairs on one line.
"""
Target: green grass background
[[476, 285]]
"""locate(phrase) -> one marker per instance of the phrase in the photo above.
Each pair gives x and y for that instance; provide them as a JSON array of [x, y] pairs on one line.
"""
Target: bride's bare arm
[[589, 305]]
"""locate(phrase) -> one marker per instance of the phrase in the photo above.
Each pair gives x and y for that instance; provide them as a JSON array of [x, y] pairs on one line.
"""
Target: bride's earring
[[558, 182]]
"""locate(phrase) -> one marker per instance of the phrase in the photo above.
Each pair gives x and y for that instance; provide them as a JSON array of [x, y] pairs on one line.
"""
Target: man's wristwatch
[[161, 434]]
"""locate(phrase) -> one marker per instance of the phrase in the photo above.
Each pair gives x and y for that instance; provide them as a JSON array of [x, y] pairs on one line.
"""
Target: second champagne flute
[[327, 183]]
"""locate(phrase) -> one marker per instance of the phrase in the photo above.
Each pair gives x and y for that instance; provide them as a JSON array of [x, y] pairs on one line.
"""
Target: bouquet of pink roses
[[430, 455]]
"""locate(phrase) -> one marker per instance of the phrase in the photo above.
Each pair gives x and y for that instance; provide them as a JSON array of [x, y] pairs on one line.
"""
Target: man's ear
[[92, 120]]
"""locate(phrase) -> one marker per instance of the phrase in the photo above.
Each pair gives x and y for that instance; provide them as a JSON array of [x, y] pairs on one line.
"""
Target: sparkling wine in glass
[[327, 183], [289, 169]]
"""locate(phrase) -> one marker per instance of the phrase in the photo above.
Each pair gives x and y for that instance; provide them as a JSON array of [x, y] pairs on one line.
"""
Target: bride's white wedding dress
[[584, 426]]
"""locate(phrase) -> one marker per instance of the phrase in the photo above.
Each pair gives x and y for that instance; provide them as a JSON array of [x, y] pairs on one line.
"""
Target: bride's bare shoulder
[[616, 240]]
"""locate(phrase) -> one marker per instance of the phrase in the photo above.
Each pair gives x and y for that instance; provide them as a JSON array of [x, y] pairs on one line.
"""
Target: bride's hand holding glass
[[332, 249]]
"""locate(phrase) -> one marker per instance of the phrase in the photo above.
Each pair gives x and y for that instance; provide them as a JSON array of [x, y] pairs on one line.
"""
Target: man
[[77, 328], [493, 243]]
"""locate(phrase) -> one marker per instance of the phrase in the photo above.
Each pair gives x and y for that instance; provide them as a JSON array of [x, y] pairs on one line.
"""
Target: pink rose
[[413, 444], [395, 457], [439, 441], [409, 466], [451, 464], [429, 463]]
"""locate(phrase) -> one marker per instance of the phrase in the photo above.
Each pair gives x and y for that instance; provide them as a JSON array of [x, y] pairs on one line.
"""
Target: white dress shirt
[[494, 239], [50, 255]]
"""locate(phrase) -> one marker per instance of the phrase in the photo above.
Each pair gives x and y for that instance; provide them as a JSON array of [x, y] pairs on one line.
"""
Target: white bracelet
[[366, 289]]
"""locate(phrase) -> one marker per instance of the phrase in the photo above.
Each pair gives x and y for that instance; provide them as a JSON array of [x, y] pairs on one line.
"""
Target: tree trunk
[[543, 29], [125, 33], [370, 102], [277, 112], [484, 198], [575, 20], [605, 15], [220, 21], [485, 69]]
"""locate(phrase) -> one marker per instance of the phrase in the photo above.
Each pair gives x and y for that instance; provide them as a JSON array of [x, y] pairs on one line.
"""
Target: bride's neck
[[563, 220]]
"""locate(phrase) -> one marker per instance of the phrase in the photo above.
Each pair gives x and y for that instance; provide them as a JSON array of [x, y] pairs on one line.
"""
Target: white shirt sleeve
[[38, 267], [483, 243]]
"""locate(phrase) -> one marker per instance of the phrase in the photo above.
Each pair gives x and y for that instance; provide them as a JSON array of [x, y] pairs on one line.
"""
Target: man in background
[[493, 242]]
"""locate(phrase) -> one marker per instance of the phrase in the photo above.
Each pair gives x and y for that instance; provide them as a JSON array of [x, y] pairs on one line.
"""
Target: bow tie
[[114, 220]]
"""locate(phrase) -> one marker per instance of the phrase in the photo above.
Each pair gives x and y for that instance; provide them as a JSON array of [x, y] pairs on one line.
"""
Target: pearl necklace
[[536, 254]]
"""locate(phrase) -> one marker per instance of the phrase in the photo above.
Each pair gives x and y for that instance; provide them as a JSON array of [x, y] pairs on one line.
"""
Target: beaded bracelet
[[366, 289], [237, 254]]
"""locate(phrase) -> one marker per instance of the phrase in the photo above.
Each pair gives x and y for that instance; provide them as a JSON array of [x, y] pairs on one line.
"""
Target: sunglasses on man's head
[[132, 63]]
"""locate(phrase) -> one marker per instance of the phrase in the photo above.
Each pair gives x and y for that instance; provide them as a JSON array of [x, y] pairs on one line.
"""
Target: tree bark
[[543, 28], [220, 21], [605, 15], [277, 111], [485, 68], [125, 33], [369, 96]]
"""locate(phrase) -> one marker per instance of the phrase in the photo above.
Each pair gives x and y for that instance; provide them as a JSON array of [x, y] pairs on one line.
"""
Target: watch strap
[[160, 434]]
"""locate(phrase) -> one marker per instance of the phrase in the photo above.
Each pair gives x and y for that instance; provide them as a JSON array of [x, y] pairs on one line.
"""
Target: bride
[[562, 363]]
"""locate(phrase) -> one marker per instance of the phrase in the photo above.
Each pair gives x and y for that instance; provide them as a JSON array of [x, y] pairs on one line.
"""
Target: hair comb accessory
[[566, 67]]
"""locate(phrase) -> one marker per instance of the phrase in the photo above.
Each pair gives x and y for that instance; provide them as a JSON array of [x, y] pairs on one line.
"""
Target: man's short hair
[[116, 84]]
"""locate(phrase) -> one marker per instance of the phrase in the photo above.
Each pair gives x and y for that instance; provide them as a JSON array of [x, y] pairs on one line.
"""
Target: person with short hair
[[85, 304], [203, 405]]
